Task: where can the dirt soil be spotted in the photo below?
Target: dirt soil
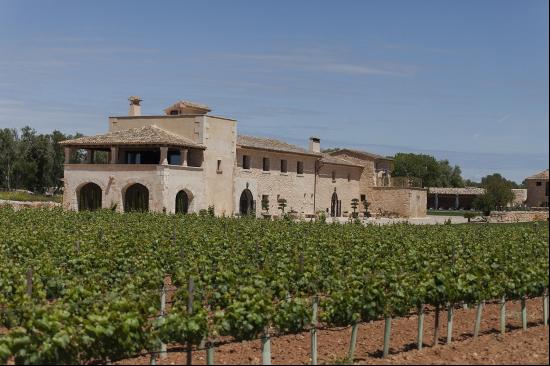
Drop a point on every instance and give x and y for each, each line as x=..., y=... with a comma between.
x=516, y=347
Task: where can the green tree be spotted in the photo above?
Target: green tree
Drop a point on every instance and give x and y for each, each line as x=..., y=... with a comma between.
x=282, y=204
x=433, y=173
x=8, y=144
x=354, y=204
x=265, y=203
x=498, y=193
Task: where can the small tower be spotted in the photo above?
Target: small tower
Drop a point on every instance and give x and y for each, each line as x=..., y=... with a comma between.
x=135, y=108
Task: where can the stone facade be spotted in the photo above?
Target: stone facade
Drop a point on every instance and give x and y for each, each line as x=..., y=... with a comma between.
x=189, y=151
x=396, y=201
x=537, y=190
x=18, y=205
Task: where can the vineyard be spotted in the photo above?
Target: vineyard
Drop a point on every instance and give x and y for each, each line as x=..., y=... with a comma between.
x=102, y=286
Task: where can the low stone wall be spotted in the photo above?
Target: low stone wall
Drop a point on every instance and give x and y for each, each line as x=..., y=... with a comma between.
x=17, y=205
x=517, y=216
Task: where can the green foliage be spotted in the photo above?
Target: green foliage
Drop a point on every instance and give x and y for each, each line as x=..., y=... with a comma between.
x=470, y=215
x=354, y=205
x=24, y=196
x=433, y=173
x=32, y=161
x=265, y=203
x=498, y=193
x=98, y=301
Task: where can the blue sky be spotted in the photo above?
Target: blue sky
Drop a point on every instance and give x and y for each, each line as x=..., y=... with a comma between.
x=462, y=80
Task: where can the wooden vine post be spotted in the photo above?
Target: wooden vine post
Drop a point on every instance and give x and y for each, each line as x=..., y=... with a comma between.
x=190, y=298
x=314, y=331
x=503, y=315
x=420, y=336
x=387, y=336
x=266, y=347
x=523, y=313
x=163, y=353
x=210, y=353
x=545, y=307
x=478, y=318
x=353, y=340
x=450, y=313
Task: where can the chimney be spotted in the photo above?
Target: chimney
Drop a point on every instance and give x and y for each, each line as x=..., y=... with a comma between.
x=315, y=144
x=135, y=108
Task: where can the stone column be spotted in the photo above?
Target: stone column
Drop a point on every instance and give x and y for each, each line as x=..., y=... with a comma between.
x=114, y=155
x=89, y=158
x=164, y=155
x=183, y=154
x=457, y=202
x=68, y=151
x=436, y=201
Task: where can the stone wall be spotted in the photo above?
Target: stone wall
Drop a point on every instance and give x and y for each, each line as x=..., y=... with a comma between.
x=536, y=193
x=401, y=202
x=162, y=181
x=517, y=216
x=17, y=205
x=345, y=189
x=296, y=189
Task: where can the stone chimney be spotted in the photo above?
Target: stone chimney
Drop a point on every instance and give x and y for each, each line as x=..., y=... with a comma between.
x=135, y=108
x=315, y=144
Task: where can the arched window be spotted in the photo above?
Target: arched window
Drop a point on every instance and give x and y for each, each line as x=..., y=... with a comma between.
x=136, y=198
x=246, y=203
x=182, y=202
x=89, y=197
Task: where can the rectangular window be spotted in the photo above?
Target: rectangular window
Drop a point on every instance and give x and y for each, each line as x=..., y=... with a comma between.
x=363, y=197
x=246, y=162
x=333, y=176
x=349, y=177
x=539, y=184
x=219, y=166
x=283, y=166
x=300, y=167
x=266, y=164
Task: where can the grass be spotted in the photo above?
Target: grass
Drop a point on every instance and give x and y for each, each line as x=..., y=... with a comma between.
x=451, y=212
x=24, y=196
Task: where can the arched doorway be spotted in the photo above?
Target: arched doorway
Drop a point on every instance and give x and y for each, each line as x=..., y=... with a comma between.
x=89, y=197
x=246, y=203
x=335, y=206
x=182, y=202
x=136, y=198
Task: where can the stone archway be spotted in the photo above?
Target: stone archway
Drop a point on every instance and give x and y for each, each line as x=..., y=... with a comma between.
x=246, y=203
x=182, y=202
x=136, y=198
x=89, y=197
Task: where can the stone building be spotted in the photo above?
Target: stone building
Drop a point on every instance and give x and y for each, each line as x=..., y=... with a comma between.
x=537, y=189
x=188, y=159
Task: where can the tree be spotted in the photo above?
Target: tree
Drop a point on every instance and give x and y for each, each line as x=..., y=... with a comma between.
x=282, y=205
x=8, y=142
x=354, y=204
x=498, y=193
x=265, y=203
x=433, y=173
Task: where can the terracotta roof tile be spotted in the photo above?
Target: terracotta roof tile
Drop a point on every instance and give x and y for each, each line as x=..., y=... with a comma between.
x=262, y=143
x=540, y=175
x=148, y=135
x=336, y=160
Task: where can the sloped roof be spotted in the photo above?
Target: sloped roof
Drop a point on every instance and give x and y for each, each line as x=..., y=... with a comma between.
x=329, y=159
x=184, y=104
x=262, y=143
x=462, y=191
x=148, y=135
x=540, y=175
x=361, y=153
